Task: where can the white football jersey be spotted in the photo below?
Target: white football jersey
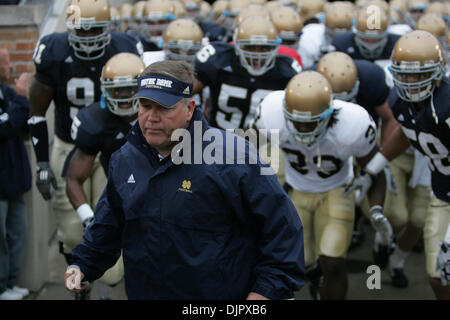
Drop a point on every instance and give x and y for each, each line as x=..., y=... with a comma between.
x=311, y=42
x=399, y=29
x=150, y=57
x=327, y=164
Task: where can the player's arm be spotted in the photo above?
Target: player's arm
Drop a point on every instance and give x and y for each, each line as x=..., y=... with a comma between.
x=79, y=168
x=374, y=163
x=377, y=189
x=388, y=121
x=198, y=86
x=40, y=97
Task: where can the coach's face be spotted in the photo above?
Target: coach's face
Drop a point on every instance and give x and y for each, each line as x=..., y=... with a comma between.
x=158, y=123
x=5, y=65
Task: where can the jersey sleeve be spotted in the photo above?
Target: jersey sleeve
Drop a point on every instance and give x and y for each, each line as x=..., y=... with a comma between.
x=150, y=57
x=124, y=42
x=342, y=42
x=84, y=133
x=310, y=43
x=45, y=59
x=355, y=129
x=207, y=61
x=270, y=114
x=373, y=90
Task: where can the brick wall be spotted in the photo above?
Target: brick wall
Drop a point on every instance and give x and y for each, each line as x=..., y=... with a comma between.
x=19, y=33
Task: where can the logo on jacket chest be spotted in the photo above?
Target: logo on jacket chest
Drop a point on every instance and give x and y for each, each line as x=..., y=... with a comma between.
x=185, y=186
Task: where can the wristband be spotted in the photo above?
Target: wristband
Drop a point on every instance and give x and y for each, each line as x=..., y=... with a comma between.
x=376, y=208
x=84, y=212
x=74, y=266
x=376, y=164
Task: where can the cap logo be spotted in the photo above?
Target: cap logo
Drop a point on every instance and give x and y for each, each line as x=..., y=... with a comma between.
x=167, y=91
x=156, y=83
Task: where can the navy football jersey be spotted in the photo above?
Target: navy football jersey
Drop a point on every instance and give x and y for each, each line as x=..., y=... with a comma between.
x=373, y=90
x=234, y=93
x=213, y=31
x=430, y=138
x=76, y=82
x=346, y=43
x=95, y=129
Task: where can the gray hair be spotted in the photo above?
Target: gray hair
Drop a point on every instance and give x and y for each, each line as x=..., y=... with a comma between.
x=178, y=69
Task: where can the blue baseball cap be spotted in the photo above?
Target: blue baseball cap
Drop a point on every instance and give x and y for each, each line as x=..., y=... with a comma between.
x=166, y=91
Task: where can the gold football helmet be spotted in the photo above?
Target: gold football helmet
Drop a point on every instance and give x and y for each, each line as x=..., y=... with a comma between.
x=307, y=106
x=182, y=39
x=179, y=10
x=310, y=8
x=115, y=18
x=440, y=8
x=397, y=9
x=205, y=9
x=417, y=64
x=256, y=44
x=340, y=70
x=289, y=25
x=258, y=2
x=414, y=10
x=338, y=18
x=136, y=16
x=234, y=7
x=89, y=25
x=156, y=17
x=380, y=3
x=251, y=10
x=447, y=42
x=218, y=10
x=126, y=11
x=434, y=24
x=371, y=34
x=294, y=4
x=119, y=83
x=271, y=6
x=192, y=8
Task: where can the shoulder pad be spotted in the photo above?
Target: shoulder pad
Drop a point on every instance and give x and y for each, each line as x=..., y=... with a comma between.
x=51, y=48
x=270, y=114
x=354, y=126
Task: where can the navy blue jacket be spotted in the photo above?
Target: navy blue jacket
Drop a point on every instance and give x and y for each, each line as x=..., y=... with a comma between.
x=193, y=231
x=15, y=172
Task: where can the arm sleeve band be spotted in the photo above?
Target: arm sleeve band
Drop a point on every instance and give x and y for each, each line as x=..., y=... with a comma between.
x=377, y=164
x=39, y=137
x=84, y=212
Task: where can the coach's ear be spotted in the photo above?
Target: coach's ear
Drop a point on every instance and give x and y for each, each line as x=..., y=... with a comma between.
x=190, y=110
